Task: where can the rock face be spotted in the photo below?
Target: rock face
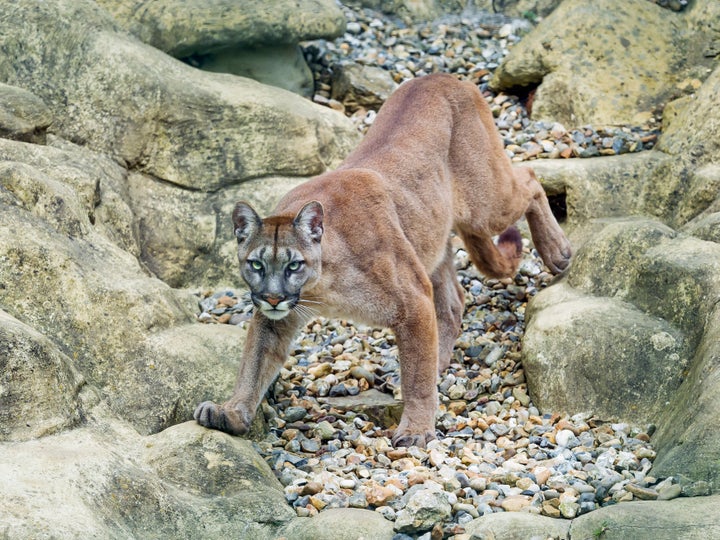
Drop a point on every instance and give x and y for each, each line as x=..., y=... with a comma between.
x=96, y=353
x=645, y=290
x=238, y=129
x=582, y=77
x=256, y=39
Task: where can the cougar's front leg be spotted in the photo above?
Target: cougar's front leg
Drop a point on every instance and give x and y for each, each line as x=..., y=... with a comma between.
x=417, y=338
x=549, y=239
x=266, y=349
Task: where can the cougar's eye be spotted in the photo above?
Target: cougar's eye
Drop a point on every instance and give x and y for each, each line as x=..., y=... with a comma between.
x=256, y=265
x=294, y=266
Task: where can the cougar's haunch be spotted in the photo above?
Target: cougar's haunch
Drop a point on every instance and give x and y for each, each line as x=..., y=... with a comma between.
x=370, y=242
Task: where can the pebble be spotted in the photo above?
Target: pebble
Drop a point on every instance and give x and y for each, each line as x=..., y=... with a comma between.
x=494, y=450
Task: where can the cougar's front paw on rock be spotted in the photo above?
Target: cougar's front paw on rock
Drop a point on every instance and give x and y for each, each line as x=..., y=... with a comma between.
x=556, y=255
x=214, y=416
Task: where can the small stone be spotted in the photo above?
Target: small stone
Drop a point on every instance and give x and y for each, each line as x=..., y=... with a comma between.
x=320, y=370
x=562, y=437
x=550, y=509
x=379, y=495
x=646, y=494
x=357, y=500
x=324, y=430
x=310, y=445
x=423, y=510
x=569, y=509
x=669, y=492
x=293, y=414
x=311, y=488
x=205, y=317
x=515, y=503
x=525, y=483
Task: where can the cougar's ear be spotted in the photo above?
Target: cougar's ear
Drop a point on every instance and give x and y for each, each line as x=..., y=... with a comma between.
x=310, y=220
x=245, y=221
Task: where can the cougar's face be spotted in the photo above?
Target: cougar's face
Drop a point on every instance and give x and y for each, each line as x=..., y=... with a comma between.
x=279, y=256
x=276, y=276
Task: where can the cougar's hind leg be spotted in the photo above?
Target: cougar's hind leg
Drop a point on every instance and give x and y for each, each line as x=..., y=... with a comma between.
x=495, y=261
x=449, y=301
x=549, y=239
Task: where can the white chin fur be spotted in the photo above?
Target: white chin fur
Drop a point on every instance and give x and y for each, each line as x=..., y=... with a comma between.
x=275, y=314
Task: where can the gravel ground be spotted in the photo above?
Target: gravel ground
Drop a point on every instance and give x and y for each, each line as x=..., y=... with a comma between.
x=330, y=412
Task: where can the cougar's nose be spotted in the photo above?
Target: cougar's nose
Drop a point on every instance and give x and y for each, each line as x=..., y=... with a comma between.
x=273, y=299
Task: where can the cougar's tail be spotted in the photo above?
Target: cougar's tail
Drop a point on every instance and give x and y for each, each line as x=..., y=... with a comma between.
x=496, y=261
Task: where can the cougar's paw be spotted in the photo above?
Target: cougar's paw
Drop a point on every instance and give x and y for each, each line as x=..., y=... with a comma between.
x=559, y=259
x=555, y=253
x=408, y=438
x=212, y=415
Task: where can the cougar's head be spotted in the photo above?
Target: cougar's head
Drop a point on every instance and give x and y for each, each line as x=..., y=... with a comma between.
x=278, y=256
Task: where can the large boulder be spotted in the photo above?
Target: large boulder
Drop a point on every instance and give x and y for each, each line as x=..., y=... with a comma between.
x=103, y=480
x=602, y=355
x=255, y=39
x=197, y=245
x=607, y=63
x=65, y=279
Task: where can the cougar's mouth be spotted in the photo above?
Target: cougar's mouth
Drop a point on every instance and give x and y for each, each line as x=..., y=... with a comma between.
x=275, y=313
x=274, y=310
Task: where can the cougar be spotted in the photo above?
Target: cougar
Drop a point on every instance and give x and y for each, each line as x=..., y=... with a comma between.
x=369, y=242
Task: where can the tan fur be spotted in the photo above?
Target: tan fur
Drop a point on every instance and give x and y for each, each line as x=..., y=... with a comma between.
x=431, y=163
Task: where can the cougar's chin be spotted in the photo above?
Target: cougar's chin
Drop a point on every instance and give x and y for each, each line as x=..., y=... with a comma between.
x=274, y=313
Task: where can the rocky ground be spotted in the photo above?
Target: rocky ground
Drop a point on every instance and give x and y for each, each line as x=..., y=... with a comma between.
x=330, y=411
x=470, y=46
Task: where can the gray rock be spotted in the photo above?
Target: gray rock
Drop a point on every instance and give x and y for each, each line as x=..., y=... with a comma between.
x=256, y=40
x=652, y=520
x=23, y=115
x=423, y=510
x=580, y=352
x=340, y=524
x=105, y=481
x=357, y=86
x=183, y=28
x=39, y=388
